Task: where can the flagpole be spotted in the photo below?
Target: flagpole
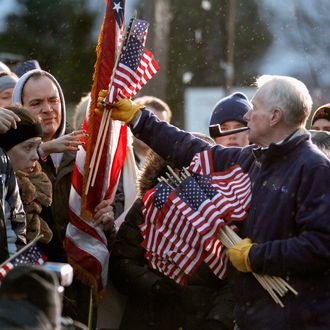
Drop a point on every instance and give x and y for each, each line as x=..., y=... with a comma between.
x=36, y=239
x=93, y=168
x=90, y=311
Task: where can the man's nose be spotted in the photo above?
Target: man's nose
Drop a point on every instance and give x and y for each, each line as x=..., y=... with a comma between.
x=47, y=107
x=246, y=116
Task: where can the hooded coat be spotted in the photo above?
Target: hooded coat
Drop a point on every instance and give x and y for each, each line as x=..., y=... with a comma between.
x=57, y=215
x=154, y=301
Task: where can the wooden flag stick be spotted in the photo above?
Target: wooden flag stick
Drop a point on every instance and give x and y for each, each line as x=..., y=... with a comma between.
x=173, y=173
x=101, y=148
x=24, y=248
x=166, y=181
x=95, y=152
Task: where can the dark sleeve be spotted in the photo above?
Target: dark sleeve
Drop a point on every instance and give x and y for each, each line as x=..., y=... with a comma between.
x=17, y=214
x=307, y=252
x=178, y=147
x=119, y=200
x=128, y=267
x=174, y=145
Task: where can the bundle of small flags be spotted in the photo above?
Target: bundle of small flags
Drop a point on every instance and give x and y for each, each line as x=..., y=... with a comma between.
x=183, y=216
x=190, y=218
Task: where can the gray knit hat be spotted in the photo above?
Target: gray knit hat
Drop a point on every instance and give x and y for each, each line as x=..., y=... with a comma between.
x=7, y=80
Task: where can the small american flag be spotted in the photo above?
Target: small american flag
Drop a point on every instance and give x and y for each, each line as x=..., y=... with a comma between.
x=31, y=256
x=229, y=190
x=136, y=64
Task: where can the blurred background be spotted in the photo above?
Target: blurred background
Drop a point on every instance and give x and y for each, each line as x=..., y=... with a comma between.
x=205, y=48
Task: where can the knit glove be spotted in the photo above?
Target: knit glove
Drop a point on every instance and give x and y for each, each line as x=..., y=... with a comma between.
x=125, y=110
x=239, y=255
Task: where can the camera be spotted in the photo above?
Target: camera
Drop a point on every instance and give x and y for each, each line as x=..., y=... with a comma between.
x=63, y=271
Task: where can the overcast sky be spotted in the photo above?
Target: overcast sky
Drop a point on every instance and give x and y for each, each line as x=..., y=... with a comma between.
x=290, y=52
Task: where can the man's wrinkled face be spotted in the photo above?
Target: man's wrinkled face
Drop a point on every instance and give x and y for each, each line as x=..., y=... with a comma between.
x=41, y=98
x=258, y=119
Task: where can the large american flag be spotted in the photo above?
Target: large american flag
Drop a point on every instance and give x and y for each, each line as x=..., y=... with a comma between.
x=31, y=256
x=85, y=243
x=182, y=224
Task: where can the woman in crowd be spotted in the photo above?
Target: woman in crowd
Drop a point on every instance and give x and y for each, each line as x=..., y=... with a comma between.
x=7, y=83
x=23, y=146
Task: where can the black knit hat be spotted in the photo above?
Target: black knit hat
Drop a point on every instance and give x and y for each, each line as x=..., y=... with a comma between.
x=27, y=128
x=37, y=286
x=232, y=107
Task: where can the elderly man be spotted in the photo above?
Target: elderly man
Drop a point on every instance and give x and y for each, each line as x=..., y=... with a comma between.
x=288, y=226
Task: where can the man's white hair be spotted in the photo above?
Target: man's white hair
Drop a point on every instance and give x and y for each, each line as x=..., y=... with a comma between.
x=290, y=95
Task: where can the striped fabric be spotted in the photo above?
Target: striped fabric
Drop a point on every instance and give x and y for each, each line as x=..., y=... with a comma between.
x=182, y=224
x=85, y=243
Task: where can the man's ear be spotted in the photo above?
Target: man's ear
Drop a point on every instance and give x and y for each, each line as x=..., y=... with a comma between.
x=276, y=116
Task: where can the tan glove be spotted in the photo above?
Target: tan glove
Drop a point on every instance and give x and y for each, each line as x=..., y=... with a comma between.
x=239, y=255
x=125, y=110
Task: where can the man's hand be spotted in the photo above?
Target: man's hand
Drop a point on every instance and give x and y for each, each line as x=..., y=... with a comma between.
x=125, y=110
x=104, y=214
x=67, y=142
x=8, y=119
x=239, y=255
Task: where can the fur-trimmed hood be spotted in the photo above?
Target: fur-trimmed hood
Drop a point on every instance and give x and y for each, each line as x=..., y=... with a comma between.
x=153, y=168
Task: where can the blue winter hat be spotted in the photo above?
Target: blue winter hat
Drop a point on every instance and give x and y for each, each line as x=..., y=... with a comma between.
x=232, y=107
x=27, y=66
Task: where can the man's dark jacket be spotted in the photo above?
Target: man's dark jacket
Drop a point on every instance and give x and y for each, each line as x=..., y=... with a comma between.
x=288, y=220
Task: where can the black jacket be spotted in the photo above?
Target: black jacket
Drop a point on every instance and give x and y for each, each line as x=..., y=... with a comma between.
x=156, y=302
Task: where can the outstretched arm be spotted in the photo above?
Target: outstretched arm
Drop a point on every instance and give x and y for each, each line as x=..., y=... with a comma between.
x=169, y=142
x=67, y=142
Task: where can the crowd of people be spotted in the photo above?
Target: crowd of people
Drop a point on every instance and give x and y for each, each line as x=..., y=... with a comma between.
x=286, y=232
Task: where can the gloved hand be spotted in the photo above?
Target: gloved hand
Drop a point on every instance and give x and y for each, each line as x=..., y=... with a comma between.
x=102, y=94
x=125, y=110
x=239, y=255
x=165, y=287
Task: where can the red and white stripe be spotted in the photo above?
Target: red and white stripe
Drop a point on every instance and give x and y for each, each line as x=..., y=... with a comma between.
x=127, y=82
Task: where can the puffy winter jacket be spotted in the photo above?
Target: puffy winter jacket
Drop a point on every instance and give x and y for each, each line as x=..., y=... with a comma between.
x=288, y=220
